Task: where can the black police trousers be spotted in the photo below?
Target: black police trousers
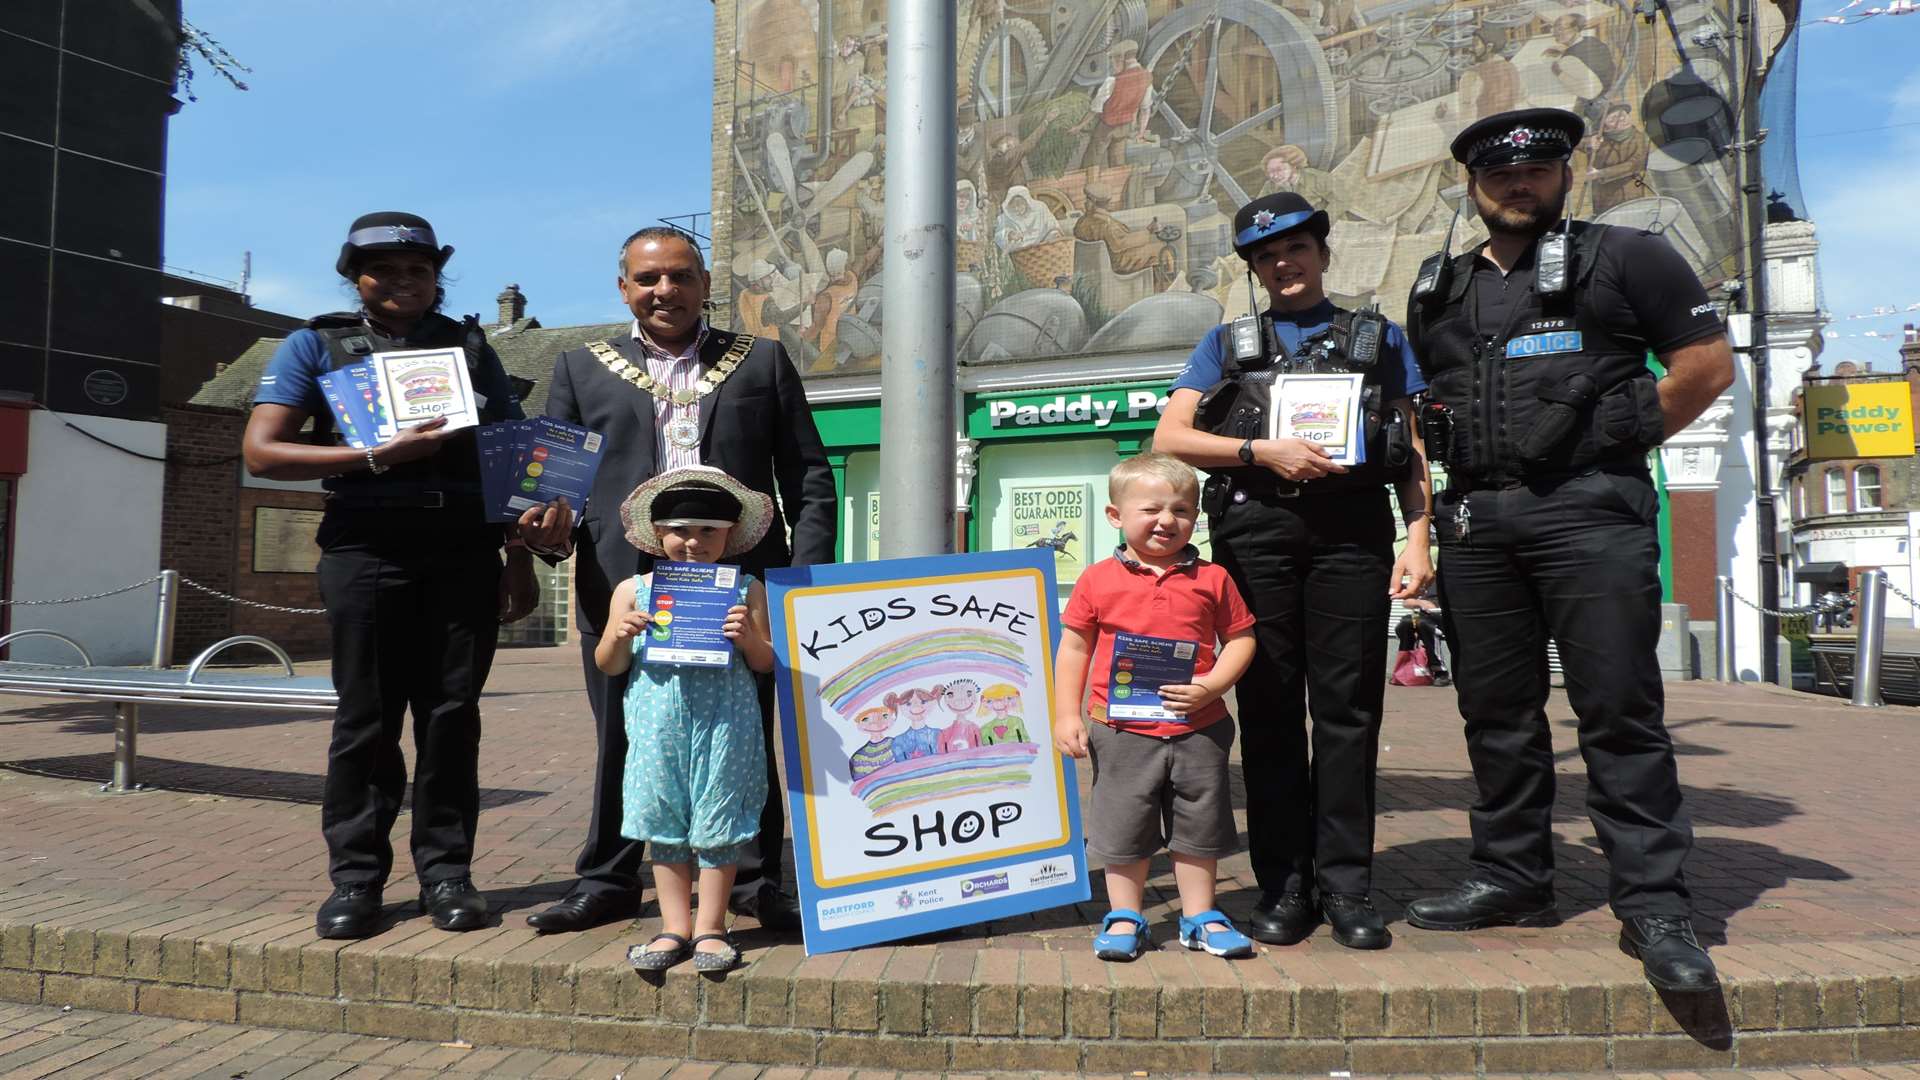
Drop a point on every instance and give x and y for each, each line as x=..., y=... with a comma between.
x=1314, y=570
x=1576, y=559
x=413, y=604
x=609, y=863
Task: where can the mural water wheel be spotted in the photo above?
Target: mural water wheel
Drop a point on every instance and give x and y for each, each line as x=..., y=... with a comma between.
x=1230, y=77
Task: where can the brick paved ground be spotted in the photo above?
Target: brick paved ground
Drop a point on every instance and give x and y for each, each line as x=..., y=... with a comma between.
x=1804, y=873
x=71, y=1044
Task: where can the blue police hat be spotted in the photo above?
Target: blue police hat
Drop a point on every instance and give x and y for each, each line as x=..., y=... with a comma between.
x=1520, y=135
x=1271, y=215
x=390, y=230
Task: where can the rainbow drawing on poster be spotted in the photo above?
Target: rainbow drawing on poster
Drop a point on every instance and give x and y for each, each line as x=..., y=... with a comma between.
x=1316, y=416
x=915, y=680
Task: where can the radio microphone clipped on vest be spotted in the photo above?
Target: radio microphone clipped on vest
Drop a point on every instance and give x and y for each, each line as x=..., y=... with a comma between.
x=1246, y=333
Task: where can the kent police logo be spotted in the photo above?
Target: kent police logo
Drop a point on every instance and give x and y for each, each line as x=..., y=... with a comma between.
x=1263, y=219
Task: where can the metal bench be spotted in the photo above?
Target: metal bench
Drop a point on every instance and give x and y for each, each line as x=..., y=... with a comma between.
x=127, y=688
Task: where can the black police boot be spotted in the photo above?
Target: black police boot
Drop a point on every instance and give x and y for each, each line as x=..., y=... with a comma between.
x=1283, y=918
x=772, y=906
x=584, y=911
x=454, y=904
x=1669, y=953
x=353, y=911
x=1355, y=924
x=1475, y=905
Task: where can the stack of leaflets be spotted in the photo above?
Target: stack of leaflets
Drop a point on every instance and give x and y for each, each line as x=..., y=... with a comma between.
x=525, y=463
x=374, y=400
x=1323, y=409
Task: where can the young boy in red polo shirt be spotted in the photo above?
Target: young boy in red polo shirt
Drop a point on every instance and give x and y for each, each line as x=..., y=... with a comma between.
x=1155, y=782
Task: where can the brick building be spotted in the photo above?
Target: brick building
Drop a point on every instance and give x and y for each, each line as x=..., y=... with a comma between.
x=253, y=538
x=1855, y=514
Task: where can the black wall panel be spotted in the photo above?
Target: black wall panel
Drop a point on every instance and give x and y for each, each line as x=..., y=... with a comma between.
x=105, y=208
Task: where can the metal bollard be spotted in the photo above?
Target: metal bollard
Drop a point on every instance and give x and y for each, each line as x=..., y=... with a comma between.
x=1725, y=668
x=1871, y=628
x=163, y=619
x=126, y=714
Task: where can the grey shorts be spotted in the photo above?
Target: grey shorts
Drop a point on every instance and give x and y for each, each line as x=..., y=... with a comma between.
x=1150, y=792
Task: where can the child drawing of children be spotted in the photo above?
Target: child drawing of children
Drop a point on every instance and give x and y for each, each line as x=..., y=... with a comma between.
x=918, y=740
x=878, y=752
x=999, y=701
x=960, y=696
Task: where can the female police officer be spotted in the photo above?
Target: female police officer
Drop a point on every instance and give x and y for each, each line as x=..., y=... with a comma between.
x=411, y=576
x=1310, y=543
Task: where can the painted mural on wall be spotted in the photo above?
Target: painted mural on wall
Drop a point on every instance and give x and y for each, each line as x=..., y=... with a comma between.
x=1104, y=146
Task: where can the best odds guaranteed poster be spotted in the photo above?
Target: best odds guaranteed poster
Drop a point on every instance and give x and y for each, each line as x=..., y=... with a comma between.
x=916, y=702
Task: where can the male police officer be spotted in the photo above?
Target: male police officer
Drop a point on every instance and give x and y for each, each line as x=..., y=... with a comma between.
x=1542, y=409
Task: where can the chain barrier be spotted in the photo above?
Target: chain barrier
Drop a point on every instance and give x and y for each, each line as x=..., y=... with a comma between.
x=184, y=580
x=244, y=602
x=10, y=602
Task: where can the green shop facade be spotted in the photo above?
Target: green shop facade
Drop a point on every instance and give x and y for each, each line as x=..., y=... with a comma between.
x=1031, y=465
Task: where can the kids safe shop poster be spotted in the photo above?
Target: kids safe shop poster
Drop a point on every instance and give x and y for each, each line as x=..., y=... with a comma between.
x=915, y=699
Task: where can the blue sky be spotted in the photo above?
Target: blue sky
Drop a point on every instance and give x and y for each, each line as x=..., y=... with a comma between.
x=537, y=136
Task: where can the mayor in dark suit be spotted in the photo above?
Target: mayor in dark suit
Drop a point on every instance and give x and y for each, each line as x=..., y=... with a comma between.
x=669, y=392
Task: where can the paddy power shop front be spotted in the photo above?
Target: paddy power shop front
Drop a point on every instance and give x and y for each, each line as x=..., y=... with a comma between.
x=1039, y=462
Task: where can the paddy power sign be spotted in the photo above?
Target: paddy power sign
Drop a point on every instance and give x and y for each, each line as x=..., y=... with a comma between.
x=1859, y=420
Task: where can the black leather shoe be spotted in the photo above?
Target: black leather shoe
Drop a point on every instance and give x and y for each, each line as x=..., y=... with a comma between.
x=774, y=909
x=1671, y=956
x=454, y=904
x=1355, y=924
x=583, y=911
x=353, y=911
x=1476, y=905
x=1283, y=918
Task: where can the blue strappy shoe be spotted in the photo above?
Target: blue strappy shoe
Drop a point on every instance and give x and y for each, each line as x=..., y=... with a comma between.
x=1229, y=942
x=1121, y=946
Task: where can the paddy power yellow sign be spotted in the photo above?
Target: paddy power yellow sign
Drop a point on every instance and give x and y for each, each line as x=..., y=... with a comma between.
x=1859, y=420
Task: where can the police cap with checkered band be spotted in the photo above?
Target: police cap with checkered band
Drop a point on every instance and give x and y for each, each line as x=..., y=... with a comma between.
x=1510, y=138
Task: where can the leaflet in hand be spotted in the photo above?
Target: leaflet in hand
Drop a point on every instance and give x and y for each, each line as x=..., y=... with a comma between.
x=525, y=463
x=1141, y=666
x=685, y=611
x=1322, y=409
x=372, y=400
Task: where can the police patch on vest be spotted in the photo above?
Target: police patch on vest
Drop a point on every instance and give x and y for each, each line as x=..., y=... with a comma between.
x=1532, y=345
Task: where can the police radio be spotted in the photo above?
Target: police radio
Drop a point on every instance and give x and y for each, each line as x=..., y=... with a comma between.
x=1552, y=262
x=1248, y=333
x=1436, y=269
x=1364, y=336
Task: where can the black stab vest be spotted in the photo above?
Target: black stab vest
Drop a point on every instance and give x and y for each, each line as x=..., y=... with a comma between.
x=1236, y=407
x=455, y=468
x=1594, y=389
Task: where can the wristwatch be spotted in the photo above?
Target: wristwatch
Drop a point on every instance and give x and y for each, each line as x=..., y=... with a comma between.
x=1246, y=452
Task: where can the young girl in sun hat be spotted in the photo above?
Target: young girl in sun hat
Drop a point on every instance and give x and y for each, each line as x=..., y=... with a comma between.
x=696, y=762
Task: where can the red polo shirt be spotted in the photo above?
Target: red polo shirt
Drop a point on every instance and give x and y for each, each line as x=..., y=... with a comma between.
x=1194, y=601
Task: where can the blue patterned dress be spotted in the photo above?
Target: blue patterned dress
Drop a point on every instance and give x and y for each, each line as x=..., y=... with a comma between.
x=696, y=775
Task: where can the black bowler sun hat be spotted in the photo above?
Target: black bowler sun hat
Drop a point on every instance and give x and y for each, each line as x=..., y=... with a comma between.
x=1271, y=215
x=1510, y=138
x=390, y=230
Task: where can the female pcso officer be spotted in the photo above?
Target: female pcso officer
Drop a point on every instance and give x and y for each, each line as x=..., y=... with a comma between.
x=1310, y=543
x=410, y=572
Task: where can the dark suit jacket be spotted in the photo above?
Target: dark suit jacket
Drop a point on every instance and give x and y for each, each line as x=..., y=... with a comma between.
x=756, y=426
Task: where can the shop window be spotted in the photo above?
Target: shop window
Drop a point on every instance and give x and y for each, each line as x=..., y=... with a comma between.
x=1836, y=491
x=1866, y=487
